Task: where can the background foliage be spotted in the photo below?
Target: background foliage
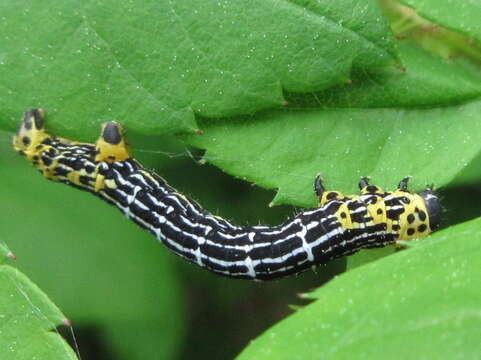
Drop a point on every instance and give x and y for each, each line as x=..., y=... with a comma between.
x=281, y=90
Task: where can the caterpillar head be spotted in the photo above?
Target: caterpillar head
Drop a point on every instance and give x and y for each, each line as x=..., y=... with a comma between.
x=433, y=207
x=30, y=132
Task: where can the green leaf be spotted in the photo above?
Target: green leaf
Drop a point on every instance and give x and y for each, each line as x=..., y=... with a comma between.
x=28, y=318
x=152, y=65
x=460, y=16
x=99, y=267
x=425, y=81
x=420, y=303
x=366, y=256
x=424, y=122
x=5, y=253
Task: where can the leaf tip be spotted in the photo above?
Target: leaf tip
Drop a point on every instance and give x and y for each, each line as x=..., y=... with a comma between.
x=303, y=295
x=294, y=307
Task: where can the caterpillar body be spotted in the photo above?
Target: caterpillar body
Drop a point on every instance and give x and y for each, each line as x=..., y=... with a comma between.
x=340, y=226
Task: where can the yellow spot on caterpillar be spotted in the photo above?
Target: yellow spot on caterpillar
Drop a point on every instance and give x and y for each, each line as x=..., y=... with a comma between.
x=110, y=184
x=99, y=182
x=344, y=217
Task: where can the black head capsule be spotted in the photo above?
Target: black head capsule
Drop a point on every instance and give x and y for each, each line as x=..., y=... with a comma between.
x=433, y=207
x=112, y=133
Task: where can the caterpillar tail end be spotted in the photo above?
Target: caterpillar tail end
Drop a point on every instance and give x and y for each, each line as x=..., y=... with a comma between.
x=30, y=132
x=111, y=145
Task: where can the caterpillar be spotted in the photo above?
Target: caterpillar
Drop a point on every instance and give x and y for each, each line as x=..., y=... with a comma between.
x=340, y=226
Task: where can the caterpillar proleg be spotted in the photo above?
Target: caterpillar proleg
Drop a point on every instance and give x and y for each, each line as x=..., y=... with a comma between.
x=340, y=226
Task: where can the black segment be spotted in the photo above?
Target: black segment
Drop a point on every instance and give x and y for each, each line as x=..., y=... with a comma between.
x=112, y=134
x=46, y=160
x=85, y=180
x=433, y=207
x=61, y=171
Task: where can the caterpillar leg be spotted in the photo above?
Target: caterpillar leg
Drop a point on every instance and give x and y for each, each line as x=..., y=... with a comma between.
x=318, y=186
x=111, y=145
x=366, y=188
x=323, y=195
x=364, y=182
x=403, y=185
x=404, y=244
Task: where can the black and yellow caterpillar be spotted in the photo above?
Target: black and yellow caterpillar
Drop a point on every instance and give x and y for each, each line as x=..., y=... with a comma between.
x=340, y=226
